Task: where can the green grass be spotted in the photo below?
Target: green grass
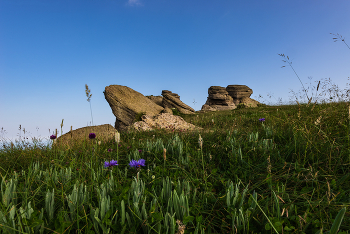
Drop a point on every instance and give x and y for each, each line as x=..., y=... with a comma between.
x=287, y=174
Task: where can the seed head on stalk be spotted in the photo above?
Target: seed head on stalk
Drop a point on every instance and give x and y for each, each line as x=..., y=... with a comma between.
x=88, y=95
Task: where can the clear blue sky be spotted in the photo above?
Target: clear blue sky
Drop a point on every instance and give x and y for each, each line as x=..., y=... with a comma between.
x=49, y=50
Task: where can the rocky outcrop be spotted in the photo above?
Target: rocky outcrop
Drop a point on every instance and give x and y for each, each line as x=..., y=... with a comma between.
x=172, y=100
x=126, y=103
x=103, y=132
x=238, y=92
x=162, y=121
x=228, y=98
x=156, y=99
x=218, y=99
x=249, y=102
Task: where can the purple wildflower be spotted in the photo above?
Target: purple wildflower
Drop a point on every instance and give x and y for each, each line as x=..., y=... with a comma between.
x=262, y=120
x=92, y=135
x=52, y=137
x=111, y=163
x=134, y=163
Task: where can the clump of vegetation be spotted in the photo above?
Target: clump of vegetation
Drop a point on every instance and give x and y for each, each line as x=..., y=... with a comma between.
x=176, y=111
x=241, y=106
x=138, y=116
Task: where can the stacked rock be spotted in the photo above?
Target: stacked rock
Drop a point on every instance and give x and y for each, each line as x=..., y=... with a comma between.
x=238, y=92
x=218, y=99
x=228, y=98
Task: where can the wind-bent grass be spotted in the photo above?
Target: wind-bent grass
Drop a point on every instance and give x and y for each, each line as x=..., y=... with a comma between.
x=272, y=169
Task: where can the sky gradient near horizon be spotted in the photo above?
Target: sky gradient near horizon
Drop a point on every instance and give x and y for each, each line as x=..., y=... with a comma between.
x=49, y=50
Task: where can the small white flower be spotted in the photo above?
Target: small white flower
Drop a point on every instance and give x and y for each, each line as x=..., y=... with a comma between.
x=317, y=122
x=117, y=137
x=200, y=141
x=153, y=177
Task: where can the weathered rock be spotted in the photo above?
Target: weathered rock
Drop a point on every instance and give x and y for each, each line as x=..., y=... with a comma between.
x=167, y=110
x=218, y=99
x=156, y=99
x=103, y=132
x=162, y=121
x=126, y=103
x=206, y=107
x=237, y=92
x=172, y=100
x=249, y=102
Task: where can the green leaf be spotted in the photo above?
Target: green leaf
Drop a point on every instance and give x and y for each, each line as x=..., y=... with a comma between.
x=199, y=219
x=338, y=220
x=289, y=228
x=188, y=219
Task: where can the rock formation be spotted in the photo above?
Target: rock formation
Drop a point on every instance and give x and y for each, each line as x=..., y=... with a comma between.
x=162, y=121
x=126, y=103
x=156, y=99
x=103, y=133
x=237, y=92
x=172, y=100
x=241, y=95
x=228, y=98
x=249, y=102
x=218, y=99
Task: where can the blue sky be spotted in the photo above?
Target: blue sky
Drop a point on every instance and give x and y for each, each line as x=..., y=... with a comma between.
x=49, y=50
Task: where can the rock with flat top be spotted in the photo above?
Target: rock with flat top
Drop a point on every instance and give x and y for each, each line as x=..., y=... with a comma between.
x=237, y=92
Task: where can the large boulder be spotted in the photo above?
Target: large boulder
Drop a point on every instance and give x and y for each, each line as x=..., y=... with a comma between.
x=218, y=99
x=237, y=92
x=163, y=121
x=103, y=132
x=127, y=103
x=172, y=100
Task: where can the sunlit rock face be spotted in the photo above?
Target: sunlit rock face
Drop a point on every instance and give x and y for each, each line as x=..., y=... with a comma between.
x=126, y=103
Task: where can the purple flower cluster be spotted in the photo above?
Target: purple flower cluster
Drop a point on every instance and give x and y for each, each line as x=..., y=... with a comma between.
x=133, y=163
x=92, y=135
x=52, y=137
x=262, y=120
x=111, y=163
x=138, y=163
